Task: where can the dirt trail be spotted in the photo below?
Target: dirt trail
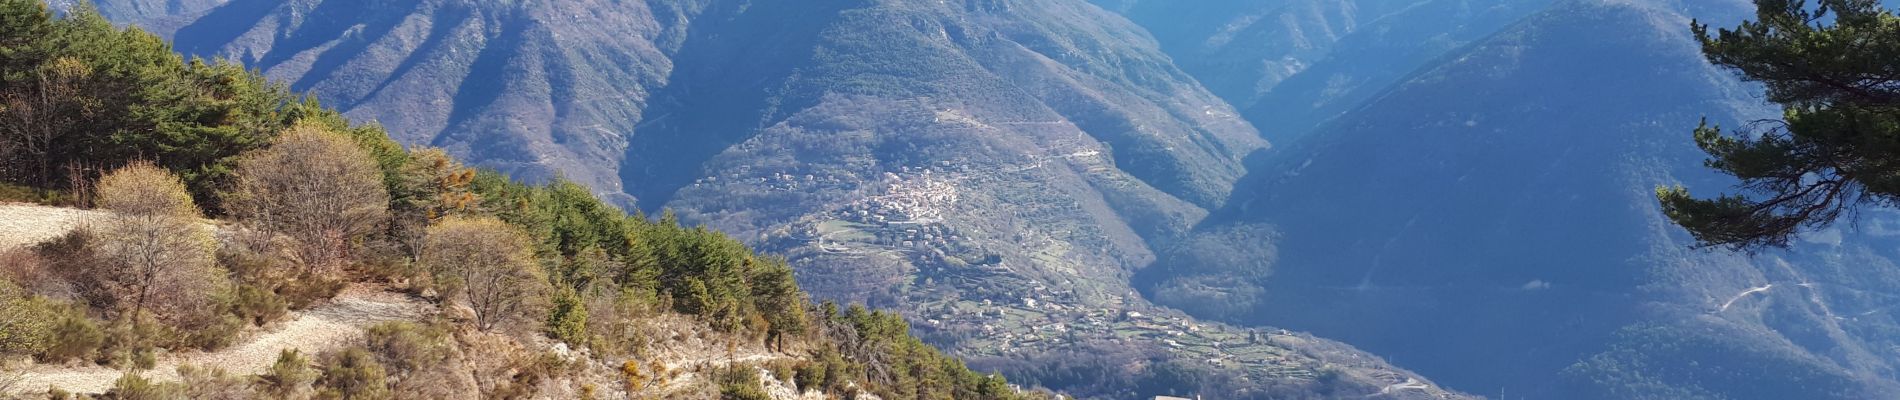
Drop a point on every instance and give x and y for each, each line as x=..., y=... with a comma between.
x=320, y=328
x=28, y=224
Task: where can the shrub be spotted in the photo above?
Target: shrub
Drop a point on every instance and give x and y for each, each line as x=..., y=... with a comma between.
x=26, y=323
x=259, y=268
x=157, y=256
x=36, y=275
x=131, y=345
x=422, y=360
x=213, y=384
x=524, y=375
x=309, y=289
x=314, y=185
x=567, y=319
x=405, y=347
x=214, y=332
x=289, y=378
x=134, y=387
x=487, y=263
x=78, y=338
x=810, y=376
x=741, y=383
x=258, y=305
x=352, y=373
x=23, y=194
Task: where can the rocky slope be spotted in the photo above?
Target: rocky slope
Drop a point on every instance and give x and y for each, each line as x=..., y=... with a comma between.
x=1490, y=222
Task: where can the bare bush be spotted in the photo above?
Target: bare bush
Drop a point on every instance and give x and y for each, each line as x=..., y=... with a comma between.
x=487, y=263
x=156, y=253
x=25, y=267
x=313, y=185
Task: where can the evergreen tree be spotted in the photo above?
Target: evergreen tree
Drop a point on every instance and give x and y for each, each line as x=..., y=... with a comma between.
x=1835, y=69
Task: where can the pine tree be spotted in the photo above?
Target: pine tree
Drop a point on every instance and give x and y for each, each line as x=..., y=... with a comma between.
x=1835, y=69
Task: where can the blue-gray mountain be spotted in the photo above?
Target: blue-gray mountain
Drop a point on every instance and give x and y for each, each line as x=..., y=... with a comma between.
x=158, y=16
x=1290, y=65
x=1490, y=222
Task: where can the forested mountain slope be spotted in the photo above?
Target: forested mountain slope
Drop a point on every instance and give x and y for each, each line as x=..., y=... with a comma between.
x=1491, y=222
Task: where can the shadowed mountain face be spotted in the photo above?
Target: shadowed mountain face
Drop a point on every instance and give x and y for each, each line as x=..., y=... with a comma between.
x=1490, y=222
x=1290, y=65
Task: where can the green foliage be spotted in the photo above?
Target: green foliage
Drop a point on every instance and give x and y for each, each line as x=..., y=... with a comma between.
x=94, y=95
x=352, y=373
x=77, y=337
x=567, y=318
x=905, y=367
x=134, y=387
x=25, y=322
x=812, y=375
x=406, y=348
x=741, y=383
x=258, y=305
x=1838, y=145
x=289, y=378
x=132, y=345
x=26, y=194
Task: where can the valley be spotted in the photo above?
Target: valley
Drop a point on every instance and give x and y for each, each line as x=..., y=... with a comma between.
x=1127, y=198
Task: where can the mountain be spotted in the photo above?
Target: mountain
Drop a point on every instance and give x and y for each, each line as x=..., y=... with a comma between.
x=157, y=16
x=1490, y=222
x=485, y=80
x=994, y=169
x=753, y=117
x=1290, y=65
x=284, y=251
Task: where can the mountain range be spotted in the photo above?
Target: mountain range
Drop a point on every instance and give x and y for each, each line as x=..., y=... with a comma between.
x=1502, y=200
x=1462, y=188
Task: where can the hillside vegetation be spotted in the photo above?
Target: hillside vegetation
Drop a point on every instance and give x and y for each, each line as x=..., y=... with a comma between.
x=544, y=290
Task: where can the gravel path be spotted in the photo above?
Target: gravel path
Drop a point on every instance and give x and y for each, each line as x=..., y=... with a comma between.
x=324, y=327
x=28, y=224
